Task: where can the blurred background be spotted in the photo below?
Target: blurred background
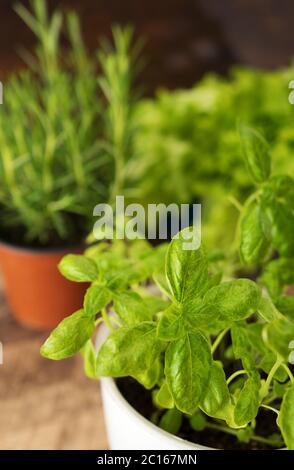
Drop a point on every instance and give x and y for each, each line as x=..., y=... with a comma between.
x=48, y=405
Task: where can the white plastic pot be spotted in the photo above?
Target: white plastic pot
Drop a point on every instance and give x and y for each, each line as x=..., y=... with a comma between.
x=126, y=428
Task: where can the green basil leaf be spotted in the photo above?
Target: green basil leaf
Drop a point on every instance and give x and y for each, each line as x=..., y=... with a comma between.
x=187, y=369
x=78, y=268
x=277, y=335
x=171, y=421
x=282, y=221
x=248, y=401
x=256, y=153
x=69, y=336
x=267, y=310
x=200, y=315
x=171, y=325
x=130, y=351
x=267, y=363
x=285, y=305
x=286, y=418
x=216, y=399
x=255, y=236
x=242, y=348
x=161, y=281
x=283, y=188
x=186, y=270
x=131, y=309
x=163, y=397
x=278, y=274
x=198, y=421
x=277, y=202
x=280, y=388
x=96, y=298
x=89, y=355
x=234, y=300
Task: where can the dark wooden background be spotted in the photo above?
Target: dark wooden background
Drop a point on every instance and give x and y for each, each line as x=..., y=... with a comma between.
x=184, y=38
x=51, y=405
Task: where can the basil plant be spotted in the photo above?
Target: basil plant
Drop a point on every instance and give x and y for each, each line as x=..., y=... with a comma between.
x=212, y=348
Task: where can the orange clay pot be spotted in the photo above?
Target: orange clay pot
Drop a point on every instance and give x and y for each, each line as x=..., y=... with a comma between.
x=37, y=294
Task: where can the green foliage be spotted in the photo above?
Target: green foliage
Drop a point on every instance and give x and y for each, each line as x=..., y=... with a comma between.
x=214, y=349
x=267, y=217
x=286, y=417
x=171, y=421
x=256, y=154
x=69, y=336
x=59, y=136
x=78, y=268
x=190, y=136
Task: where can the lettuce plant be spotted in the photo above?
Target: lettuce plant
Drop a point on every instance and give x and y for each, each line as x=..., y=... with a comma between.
x=211, y=349
x=190, y=136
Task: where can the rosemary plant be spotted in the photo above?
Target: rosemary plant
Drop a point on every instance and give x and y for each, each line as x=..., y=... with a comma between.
x=59, y=157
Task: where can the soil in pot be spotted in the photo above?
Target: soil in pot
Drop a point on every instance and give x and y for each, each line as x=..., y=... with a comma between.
x=141, y=401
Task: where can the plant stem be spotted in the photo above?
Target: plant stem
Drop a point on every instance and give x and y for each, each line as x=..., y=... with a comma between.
x=235, y=203
x=98, y=321
x=270, y=408
x=291, y=377
x=218, y=340
x=233, y=432
x=265, y=388
x=107, y=320
x=235, y=374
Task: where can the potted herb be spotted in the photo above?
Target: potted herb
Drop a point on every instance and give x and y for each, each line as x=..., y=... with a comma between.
x=206, y=359
x=58, y=126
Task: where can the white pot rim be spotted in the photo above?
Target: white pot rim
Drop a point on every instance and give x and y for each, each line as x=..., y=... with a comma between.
x=111, y=388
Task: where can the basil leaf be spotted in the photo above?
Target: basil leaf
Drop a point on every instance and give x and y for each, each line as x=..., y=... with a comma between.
x=267, y=310
x=199, y=314
x=163, y=397
x=234, y=300
x=161, y=281
x=186, y=270
x=171, y=325
x=78, y=268
x=89, y=355
x=255, y=235
x=285, y=305
x=286, y=418
x=187, y=369
x=217, y=396
x=256, y=153
x=242, y=348
x=198, y=421
x=278, y=274
x=248, y=400
x=281, y=218
x=96, y=298
x=277, y=336
x=131, y=351
x=69, y=336
x=277, y=201
x=171, y=421
x=131, y=309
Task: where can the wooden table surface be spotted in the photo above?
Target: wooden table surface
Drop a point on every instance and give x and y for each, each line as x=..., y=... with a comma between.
x=44, y=404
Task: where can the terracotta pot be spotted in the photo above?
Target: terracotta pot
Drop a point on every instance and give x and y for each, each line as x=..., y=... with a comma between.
x=38, y=295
